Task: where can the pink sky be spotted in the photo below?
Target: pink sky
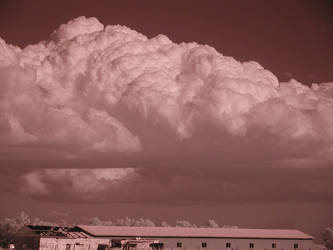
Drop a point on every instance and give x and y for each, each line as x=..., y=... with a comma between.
x=128, y=111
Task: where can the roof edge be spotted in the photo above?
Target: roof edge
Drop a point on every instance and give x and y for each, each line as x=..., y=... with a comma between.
x=307, y=236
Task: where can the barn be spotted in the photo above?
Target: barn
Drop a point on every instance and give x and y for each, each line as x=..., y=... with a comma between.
x=83, y=237
x=37, y=237
x=206, y=238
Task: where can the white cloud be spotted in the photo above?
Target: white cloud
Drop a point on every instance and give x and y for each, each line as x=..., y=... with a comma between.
x=113, y=173
x=110, y=90
x=33, y=184
x=76, y=27
x=85, y=184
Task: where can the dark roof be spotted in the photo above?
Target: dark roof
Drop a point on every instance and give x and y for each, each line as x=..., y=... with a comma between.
x=99, y=231
x=51, y=231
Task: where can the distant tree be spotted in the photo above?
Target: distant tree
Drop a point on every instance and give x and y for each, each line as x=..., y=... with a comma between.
x=108, y=223
x=184, y=223
x=23, y=219
x=229, y=226
x=95, y=221
x=212, y=223
x=144, y=223
x=132, y=222
x=165, y=224
x=127, y=221
x=328, y=237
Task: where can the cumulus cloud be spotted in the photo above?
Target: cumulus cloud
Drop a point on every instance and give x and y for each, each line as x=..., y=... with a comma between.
x=96, y=96
x=75, y=184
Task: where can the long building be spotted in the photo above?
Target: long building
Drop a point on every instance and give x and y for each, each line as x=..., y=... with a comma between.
x=84, y=237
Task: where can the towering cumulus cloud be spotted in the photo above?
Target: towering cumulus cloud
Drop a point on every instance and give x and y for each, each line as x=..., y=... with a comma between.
x=111, y=97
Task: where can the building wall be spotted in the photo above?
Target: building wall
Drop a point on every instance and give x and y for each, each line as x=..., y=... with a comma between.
x=72, y=244
x=187, y=243
x=236, y=244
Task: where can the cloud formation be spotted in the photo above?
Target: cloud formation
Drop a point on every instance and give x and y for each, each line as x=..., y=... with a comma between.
x=96, y=96
x=175, y=186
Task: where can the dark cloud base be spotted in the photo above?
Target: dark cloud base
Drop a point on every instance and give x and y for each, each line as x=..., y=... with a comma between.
x=174, y=186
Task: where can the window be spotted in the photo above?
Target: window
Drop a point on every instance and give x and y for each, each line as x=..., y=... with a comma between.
x=295, y=245
x=156, y=246
x=68, y=246
x=179, y=244
x=102, y=247
x=116, y=243
x=204, y=244
x=273, y=245
x=251, y=245
x=228, y=245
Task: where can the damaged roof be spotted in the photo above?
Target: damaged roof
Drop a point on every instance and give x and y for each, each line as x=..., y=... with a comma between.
x=51, y=231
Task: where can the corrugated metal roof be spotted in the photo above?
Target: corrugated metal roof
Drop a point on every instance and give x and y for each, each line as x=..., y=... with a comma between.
x=50, y=231
x=193, y=232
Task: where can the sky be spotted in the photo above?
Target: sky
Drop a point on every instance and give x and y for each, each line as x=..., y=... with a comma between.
x=168, y=110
